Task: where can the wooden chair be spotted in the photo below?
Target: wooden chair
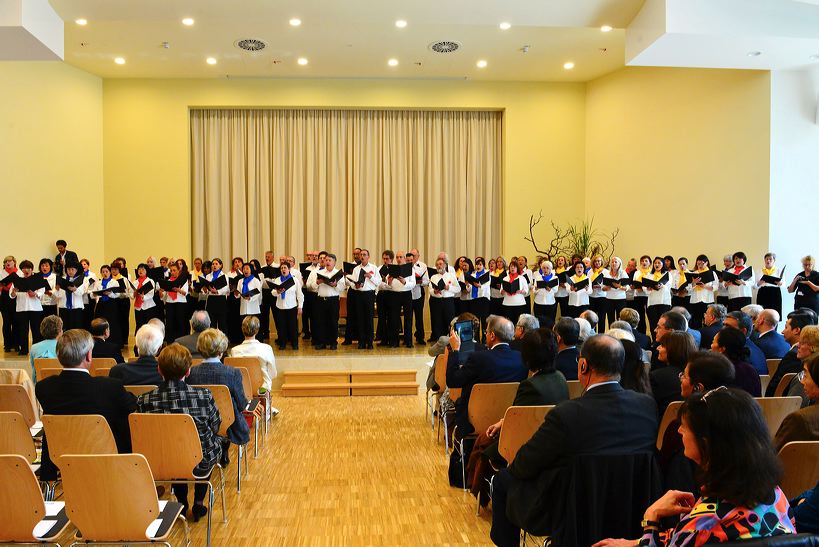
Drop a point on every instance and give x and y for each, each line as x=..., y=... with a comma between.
x=764, y=379
x=221, y=396
x=48, y=372
x=439, y=376
x=575, y=389
x=13, y=398
x=784, y=383
x=773, y=364
x=776, y=409
x=112, y=499
x=170, y=443
x=101, y=366
x=196, y=361
x=254, y=368
x=519, y=424
x=100, y=371
x=487, y=405
x=433, y=397
x=15, y=437
x=139, y=390
x=45, y=362
x=669, y=416
x=256, y=414
x=27, y=518
x=800, y=460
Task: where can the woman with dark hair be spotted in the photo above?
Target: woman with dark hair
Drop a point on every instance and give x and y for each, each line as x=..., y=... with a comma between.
x=107, y=306
x=464, y=302
x=49, y=300
x=579, y=288
x=740, y=290
x=216, y=303
x=640, y=301
x=674, y=351
x=702, y=293
x=514, y=304
x=562, y=294
x=480, y=297
x=142, y=291
x=803, y=425
x=669, y=262
x=635, y=372
x=659, y=295
x=725, y=434
x=123, y=303
x=769, y=293
x=498, y=272
x=731, y=343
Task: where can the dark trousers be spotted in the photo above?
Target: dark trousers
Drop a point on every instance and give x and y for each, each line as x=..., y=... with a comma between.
x=109, y=311
x=234, y=320
x=640, y=303
x=418, y=315
x=683, y=301
x=288, y=327
x=613, y=310
x=545, y=310
x=723, y=300
x=326, y=321
x=599, y=306
x=141, y=317
x=7, y=309
x=72, y=319
x=441, y=311
x=382, y=309
x=495, y=306
x=180, y=490
x=351, y=327
x=88, y=315
x=575, y=311
x=216, y=307
x=512, y=313
x=307, y=319
x=124, y=310
x=268, y=304
x=736, y=304
x=654, y=313
x=697, y=314
x=480, y=309
x=364, y=313
x=770, y=298
x=50, y=310
x=28, y=320
x=563, y=304
x=404, y=304
x=503, y=533
x=392, y=329
x=176, y=321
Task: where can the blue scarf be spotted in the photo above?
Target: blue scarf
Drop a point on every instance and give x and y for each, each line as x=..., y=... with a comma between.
x=474, y=288
x=551, y=275
x=105, y=286
x=245, y=283
x=282, y=279
x=215, y=273
x=69, y=296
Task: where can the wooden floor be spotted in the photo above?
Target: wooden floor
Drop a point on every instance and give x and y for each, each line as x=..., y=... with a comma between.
x=346, y=471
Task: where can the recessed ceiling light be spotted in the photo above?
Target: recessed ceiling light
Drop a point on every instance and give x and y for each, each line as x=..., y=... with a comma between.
x=81, y=22
x=295, y=22
x=605, y=28
x=302, y=61
x=211, y=60
x=505, y=26
x=401, y=23
x=120, y=60
x=187, y=21
x=754, y=53
x=393, y=62
x=481, y=63
x=568, y=66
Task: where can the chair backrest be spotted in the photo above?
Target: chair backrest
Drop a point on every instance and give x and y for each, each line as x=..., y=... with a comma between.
x=784, y=383
x=254, y=368
x=101, y=371
x=764, y=379
x=776, y=409
x=44, y=373
x=519, y=424
x=101, y=366
x=669, y=416
x=800, y=460
x=440, y=370
x=488, y=403
x=139, y=390
x=77, y=434
x=110, y=497
x=45, y=362
x=21, y=502
x=170, y=443
x=196, y=361
x=13, y=398
x=773, y=364
x=15, y=436
x=575, y=389
x=221, y=396
x=246, y=383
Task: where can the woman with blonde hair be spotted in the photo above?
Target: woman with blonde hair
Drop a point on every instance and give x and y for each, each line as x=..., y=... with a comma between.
x=806, y=286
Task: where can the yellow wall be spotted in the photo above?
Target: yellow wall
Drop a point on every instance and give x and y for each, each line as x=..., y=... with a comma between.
x=146, y=145
x=679, y=160
x=50, y=160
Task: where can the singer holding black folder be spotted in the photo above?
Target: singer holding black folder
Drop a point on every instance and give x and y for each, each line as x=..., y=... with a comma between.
x=105, y=290
x=615, y=283
x=497, y=273
x=401, y=280
x=142, y=291
x=174, y=292
x=28, y=290
x=289, y=304
x=806, y=286
x=7, y=304
x=444, y=287
x=739, y=281
x=597, y=298
x=366, y=279
x=579, y=290
x=769, y=292
x=657, y=285
x=514, y=288
x=546, y=283
x=87, y=300
x=217, y=289
x=704, y=286
x=479, y=287
x=69, y=293
x=248, y=290
x=49, y=300
x=329, y=284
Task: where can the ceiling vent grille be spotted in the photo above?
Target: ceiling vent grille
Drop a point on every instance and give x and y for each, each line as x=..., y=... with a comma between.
x=250, y=44
x=445, y=46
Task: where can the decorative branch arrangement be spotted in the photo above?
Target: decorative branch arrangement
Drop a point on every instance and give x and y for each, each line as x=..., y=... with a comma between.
x=581, y=239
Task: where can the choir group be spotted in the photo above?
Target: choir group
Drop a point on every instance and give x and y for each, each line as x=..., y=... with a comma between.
x=171, y=291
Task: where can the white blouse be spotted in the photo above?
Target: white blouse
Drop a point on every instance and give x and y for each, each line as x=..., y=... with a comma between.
x=612, y=293
x=77, y=299
x=291, y=298
x=49, y=299
x=741, y=291
x=580, y=297
x=701, y=293
x=147, y=298
x=250, y=305
x=544, y=297
x=452, y=289
x=519, y=298
x=26, y=302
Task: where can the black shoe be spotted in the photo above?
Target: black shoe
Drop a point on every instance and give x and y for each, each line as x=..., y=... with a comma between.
x=199, y=511
x=224, y=460
x=362, y=346
x=409, y=346
x=318, y=346
x=306, y=336
x=333, y=347
x=347, y=343
x=21, y=352
x=369, y=346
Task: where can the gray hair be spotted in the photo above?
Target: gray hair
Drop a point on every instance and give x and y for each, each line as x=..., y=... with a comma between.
x=752, y=310
x=149, y=339
x=585, y=329
x=156, y=322
x=528, y=322
x=682, y=311
x=591, y=317
x=73, y=346
x=50, y=327
x=503, y=328
x=212, y=343
x=620, y=334
x=200, y=320
x=631, y=316
x=624, y=325
x=718, y=311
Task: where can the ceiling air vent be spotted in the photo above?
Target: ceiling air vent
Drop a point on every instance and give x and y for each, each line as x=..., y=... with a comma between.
x=250, y=44
x=445, y=46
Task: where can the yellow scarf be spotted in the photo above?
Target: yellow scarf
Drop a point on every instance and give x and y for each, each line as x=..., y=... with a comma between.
x=578, y=279
x=658, y=275
x=682, y=278
x=768, y=271
x=497, y=272
x=560, y=270
x=116, y=277
x=643, y=272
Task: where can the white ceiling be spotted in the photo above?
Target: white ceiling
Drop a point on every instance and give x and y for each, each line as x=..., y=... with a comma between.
x=348, y=39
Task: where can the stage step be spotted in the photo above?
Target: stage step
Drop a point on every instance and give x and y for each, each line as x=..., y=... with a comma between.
x=346, y=383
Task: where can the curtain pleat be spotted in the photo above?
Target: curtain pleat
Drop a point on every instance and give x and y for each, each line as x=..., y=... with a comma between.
x=291, y=180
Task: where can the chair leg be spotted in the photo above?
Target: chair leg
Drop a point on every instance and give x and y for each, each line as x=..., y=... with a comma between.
x=210, y=509
x=256, y=438
x=239, y=469
x=446, y=435
x=478, y=504
x=463, y=464
x=222, y=493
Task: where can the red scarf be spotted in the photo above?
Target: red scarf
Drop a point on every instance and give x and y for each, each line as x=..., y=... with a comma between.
x=738, y=269
x=140, y=298
x=172, y=294
x=7, y=288
x=512, y=277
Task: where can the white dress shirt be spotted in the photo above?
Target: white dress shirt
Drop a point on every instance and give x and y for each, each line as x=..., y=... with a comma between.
x=250, y=305
x=519, y=298
x=324, y=290
x=26, y=302
x=452, y=287
x=421, y=279
x=62, y=296
x=49, y=299
x=223, y=291
x=372, y=282
x=291, y=298
x=612, y=293
x=579, y=297
x=544, y=297
x=741, y=291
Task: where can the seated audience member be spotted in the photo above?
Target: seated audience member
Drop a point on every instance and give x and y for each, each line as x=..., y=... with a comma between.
x=806, y=511
x=75, y=391
x=712, y=323
x=213, y=344
x=103, y=349
x=200, y=321
x=251, y=347
x=606, y=420
x=585, y=330
x=753, y=311
x=725, y=433
x=803, y=425
x=568, y=335
x=51, y=328
x=772, y=344
x=623, y=326
x=143, y=371
x=441, y=345
x=731, y=343
x=635, y=367
x=526, y=324
x=687, y=315
x=592, y=318
x=632, y=317
x=175, y=396
x=669, y=321
x=743, y=322
x=157, y=322
x=674, y=351
x=498, y=364
x=791, y=363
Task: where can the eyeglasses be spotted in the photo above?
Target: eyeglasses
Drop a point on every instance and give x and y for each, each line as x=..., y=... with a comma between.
x=682, y=375
x=715, y=390
x=801, y=375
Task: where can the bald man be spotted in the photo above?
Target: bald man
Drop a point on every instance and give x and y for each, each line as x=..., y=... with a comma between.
x=772, y=344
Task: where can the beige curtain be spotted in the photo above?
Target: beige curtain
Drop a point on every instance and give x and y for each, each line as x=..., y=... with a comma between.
x=299, y=179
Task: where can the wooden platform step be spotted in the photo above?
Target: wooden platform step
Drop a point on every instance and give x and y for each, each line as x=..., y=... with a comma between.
x=345, y=383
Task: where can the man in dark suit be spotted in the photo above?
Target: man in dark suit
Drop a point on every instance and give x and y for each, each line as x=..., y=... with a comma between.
x=498, y=364
x=742, y=321
x=103, y=349
x=145, y=370
x=772, y=344
x=200, y=322
x=712, y=324
x=568, y=334
x=790, y=362
x=606, y=420
x=64, y=256
x=75, y=391
x=526, y=324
